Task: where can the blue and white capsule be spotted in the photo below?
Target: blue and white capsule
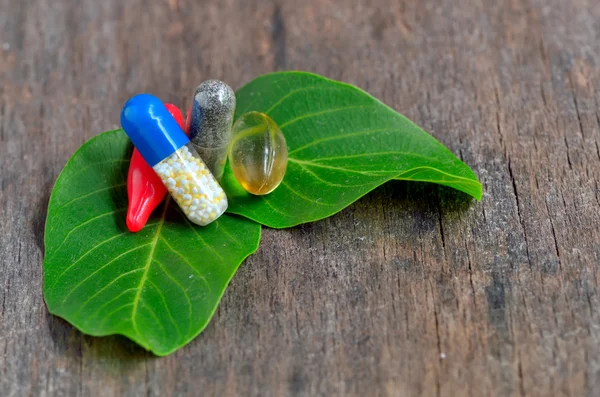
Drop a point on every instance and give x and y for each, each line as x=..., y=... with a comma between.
x=166, y=148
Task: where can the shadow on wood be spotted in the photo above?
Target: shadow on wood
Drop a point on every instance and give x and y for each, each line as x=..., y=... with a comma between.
x=69, y=342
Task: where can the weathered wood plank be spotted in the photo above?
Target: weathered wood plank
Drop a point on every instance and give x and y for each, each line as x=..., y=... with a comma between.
x=411, y=291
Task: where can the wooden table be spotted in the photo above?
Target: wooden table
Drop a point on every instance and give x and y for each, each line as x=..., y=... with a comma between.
x=406, y=292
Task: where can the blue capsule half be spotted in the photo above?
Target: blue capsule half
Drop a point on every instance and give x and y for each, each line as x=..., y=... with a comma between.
x=151, y=128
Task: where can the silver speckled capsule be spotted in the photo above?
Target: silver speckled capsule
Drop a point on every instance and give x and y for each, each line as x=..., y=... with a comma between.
x=209, y=123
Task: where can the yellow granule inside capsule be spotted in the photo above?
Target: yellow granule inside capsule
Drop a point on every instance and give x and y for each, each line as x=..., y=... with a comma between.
x=192, y=186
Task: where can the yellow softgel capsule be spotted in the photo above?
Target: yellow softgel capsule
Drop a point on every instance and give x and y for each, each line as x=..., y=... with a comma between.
x=258, y=154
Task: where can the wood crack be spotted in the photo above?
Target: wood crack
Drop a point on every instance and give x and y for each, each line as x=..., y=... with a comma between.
x=278, y=37
x=439, y=348
x=576, y=106
x=519, y=215
x=553, y=235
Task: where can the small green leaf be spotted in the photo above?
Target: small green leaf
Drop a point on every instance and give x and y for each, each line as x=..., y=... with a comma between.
x=158, y=287
x=342, y=144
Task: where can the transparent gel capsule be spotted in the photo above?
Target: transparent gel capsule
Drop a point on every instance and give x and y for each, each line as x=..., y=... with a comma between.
x=258, y=154
x=209, y=123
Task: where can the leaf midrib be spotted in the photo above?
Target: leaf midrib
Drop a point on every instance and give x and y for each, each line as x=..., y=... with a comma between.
x=137, y=298
x=465, y=180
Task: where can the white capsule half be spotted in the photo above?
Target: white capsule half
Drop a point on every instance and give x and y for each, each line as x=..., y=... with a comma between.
x=192, y=186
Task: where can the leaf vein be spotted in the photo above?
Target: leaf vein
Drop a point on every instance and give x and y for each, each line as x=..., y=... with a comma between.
x=230, y=237
x=153, y=314
x=82, y=170
x=89, y=318
x=187, y=262
x=162, y=296
x=254, y=98
x=136, y=300
x=368, y=173
x=108, y=285
x=305, y=197
x=342, y=136
x=51, y=288
x=91, y=194
x=185, y=293
x=100, y=269
x=375, y=154
x=109, y=315
x=306, y=169
x=316, y=114
x=296, y=91
x=85, y=223
x=203, y=241
x=266, y=201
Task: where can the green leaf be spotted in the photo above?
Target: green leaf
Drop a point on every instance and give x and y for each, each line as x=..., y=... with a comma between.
x=342, y=144
x=158, y=287
x=161, y=286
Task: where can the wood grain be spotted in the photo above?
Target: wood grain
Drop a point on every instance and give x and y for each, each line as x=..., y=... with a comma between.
x=412, y=290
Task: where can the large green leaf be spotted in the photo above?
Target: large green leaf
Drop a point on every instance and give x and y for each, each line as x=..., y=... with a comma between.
x=342, y=144
x=159, y=287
